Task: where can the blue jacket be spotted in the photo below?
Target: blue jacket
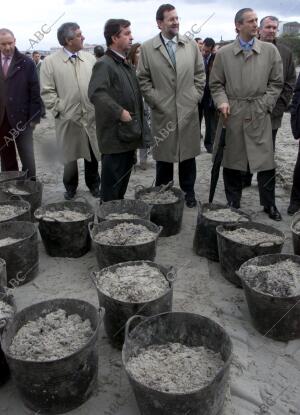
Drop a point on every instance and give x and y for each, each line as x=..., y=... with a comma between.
x=20, y=92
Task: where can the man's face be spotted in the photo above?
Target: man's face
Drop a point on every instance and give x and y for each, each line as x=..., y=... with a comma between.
x=7, y=44
x=76, y=44
x=170, y=25
x=248, y=29
x=123, y=41
x=200, y=44
x=36, y=57
x=269, y=30
x=206, y=51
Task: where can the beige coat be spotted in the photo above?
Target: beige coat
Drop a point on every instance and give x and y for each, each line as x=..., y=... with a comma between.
x=251, y=83
x=64, y=89
x=173, y=96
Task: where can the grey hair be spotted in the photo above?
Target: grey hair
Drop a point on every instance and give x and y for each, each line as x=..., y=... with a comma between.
x=66, y=32
x=239, y=17
x=4, y=31
x=273, y=18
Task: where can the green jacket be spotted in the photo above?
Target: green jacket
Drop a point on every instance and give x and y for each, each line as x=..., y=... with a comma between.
x=113, y=88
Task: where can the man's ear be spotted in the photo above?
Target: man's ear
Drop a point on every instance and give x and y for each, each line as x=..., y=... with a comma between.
x=159, y=23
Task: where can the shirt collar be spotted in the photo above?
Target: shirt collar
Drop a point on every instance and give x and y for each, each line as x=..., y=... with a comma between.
x=166, y=40
x=70, y=53
x=245, y=44
x=118, y=54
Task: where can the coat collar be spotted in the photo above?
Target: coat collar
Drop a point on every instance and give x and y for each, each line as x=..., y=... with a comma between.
x=65, y=57
x=237, y=48
x=157, y=42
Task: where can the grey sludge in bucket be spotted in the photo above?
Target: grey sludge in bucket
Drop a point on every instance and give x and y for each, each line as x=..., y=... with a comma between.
x=191, y=330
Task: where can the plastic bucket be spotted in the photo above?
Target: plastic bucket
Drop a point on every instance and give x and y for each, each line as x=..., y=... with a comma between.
x=56, y=386
x=167, y=215
x=23, y=215
x=118, y=312
x=21, y=257
x=296, y=235
x=113, y=254
x=234, y=254
x=132, y=207
x=191, y=330
x=3, y=275
x=205, y=238
x=65, y=239
x=275, y=317
x=6, y=297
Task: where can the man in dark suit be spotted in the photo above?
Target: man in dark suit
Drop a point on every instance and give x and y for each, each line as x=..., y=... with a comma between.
x=20, y=105
x=295, y=124
x=207, y=107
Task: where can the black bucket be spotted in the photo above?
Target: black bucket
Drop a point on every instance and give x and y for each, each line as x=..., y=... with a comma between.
x=6, y=176
x=167, y=215
x=56, y=386
x=205, y=238
x=296, y=235
x=65, y=239
x=3, y=275
x=113, y=254
x=191, y=330
x=23, y=215
x=34, y=189
x=118, y=312
x=6, y=297
x=130, y=206
x=234, y=254
x=21, y=257
x=275, y=317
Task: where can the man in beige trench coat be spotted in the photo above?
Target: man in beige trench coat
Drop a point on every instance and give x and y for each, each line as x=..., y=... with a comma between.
x=245, y=83
x=65, y=77
x=172, y=79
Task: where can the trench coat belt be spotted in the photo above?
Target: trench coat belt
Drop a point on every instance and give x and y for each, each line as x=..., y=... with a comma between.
x=251, y=100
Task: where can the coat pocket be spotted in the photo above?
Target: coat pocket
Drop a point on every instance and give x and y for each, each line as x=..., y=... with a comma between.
x=130, y=131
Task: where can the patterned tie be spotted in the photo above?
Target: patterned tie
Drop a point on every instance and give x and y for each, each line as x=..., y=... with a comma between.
x=5, y=65
x=170, y=49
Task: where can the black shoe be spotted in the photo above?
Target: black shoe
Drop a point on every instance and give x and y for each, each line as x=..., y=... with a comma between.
x=95, y=192
x=273, y=212
x=69, y=194
x=190, y=201
x=292, y=209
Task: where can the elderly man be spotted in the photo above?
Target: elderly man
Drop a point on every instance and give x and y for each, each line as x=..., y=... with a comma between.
x=268, y=30
x=172, y=80
x=245, y=83
x=65, y=77
x=20, y=105
x=114, y=90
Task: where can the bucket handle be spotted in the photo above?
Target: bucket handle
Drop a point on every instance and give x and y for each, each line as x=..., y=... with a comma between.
x=93, y=277
x=171, y=275
x=101, y=312
x=18, y=197
x=160, y=229
x=129, y=321
x=91, y=227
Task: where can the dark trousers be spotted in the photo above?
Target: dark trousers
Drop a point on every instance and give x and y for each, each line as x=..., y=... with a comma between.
x=233, y=183
x=295, y=194
x=187, y=174
x=91, y=174
x=115, y=174
x=24, y=143
x=211, y=122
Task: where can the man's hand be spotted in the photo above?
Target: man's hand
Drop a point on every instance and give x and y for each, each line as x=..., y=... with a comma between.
x=224, y=110
x=125, y=116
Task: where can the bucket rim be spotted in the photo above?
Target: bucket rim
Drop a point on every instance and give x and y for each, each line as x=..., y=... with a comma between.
x=111, y=203
x=17, y=203
x=120, y=264
x=295, y=219
x=100, y=312
x=267, y=295
x=18, y=175
x=40, y=209
x=227, y=363
x=176, y=190
x=20, y=224
x=253, y=225
x=37, y=185
x=204, y=206
x=148, y=224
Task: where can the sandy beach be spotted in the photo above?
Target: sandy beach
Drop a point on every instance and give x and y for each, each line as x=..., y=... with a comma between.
x=265, y=374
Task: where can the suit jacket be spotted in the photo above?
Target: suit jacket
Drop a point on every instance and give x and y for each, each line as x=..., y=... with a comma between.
x=295, y=111
x=207, y=99
x=20, y=92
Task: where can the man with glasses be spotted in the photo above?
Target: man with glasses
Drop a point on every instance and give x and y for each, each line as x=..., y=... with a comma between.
x=172, y=80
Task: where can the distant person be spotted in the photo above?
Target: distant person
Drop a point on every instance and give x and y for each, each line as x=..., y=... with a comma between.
x=268, y=30
x=115, y=93
x=172, y=80
x=133, y=58
x=36, y=57
x=65, y=76
x=294, y=205
x=98, y=52
x=28, y=54
x=199, y=42
x=207, y=106
x=42, y=57
x=245, y=82
x=20, y=108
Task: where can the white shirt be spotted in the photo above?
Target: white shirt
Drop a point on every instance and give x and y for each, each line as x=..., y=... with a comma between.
x=174, y=40
x=70, y=53
x=118, y=53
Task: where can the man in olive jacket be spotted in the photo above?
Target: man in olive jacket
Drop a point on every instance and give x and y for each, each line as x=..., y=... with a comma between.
x=115, y=93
